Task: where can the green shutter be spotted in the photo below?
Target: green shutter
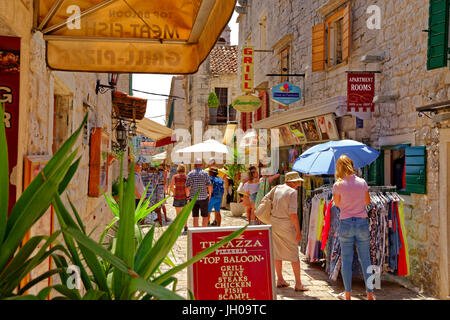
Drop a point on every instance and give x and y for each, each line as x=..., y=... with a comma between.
x=416, y=169
x=376, y=171
x=438, y=34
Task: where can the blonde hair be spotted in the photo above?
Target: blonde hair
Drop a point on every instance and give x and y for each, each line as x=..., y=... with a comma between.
x=181, y=168
x=344, y=167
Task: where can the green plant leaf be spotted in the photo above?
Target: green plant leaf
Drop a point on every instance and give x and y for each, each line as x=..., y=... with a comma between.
x=30, y=207
x=200, y=255
x=4, y=175
x=125, y=249
x=69, y=175
x=71, y=294
x=26, y=297
x=66, y=220
x=38, y=279
x=144, y=247
x=43, y=294
x=105, y=231
x=159, y=251
x=139, y=284
x=94, y=295
x=77, y=216
x=100, y=251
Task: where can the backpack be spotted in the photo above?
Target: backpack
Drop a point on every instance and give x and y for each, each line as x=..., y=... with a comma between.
x=218, y=189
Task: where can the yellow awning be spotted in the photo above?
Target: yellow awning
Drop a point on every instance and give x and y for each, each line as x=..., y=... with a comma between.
x=229, y=132
x=153, y=130
x=133, y=36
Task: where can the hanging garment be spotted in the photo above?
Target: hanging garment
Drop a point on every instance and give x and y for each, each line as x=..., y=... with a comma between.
x=405, y=238
x=305, y=225
x=312, y=229
x=320, y=219
x=401, y=268
x=326, y=227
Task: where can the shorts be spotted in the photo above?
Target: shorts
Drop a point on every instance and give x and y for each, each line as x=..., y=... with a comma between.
x=177, y=203
x=214, y=203
x=253, y=197
x=202, y=206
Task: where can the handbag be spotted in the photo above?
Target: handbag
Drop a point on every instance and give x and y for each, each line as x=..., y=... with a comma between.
x=264, y=210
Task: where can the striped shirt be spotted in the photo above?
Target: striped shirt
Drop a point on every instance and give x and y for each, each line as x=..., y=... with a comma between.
x=198, y=179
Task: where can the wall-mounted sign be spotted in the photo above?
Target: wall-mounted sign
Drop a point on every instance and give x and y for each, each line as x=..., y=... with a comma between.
x=240, y=270
x=246, y=103
x=247, y=70
x=286, y=93
x=360, y=91
x=9, y=96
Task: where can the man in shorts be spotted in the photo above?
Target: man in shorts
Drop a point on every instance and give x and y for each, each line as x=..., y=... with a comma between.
x=216, y=198
x=198, y=180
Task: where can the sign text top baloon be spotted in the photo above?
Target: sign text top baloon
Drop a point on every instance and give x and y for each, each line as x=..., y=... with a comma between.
x=133, y=36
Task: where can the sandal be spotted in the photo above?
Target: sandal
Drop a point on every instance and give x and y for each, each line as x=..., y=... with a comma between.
x=282, y=284
x=301, y=288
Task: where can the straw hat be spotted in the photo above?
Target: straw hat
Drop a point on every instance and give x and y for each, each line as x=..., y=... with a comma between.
x=292, y=176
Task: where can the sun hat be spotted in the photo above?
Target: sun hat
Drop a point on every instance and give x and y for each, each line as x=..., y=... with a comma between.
x=292, y=176
x=198, y=161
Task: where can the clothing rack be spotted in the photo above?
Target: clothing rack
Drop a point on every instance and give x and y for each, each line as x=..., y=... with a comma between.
x=324, y=188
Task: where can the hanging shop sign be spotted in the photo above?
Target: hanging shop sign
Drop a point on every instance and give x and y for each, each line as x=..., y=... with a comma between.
x=247, y=103
x=247, y=84
x=9, y=96
x=360, y=92
x=286, y=93
x=242, y=269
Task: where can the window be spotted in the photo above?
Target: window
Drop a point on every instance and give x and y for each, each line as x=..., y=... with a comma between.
x=401, y=166
x=219, y=115
x=331, y=40
x=438, y=24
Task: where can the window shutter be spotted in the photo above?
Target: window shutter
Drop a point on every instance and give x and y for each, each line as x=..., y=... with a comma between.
x=249, y=120
x=437, y=34
x=318, y=47
x=376, y=171
x=346, y=33
x=415, y=169
x=244, y=121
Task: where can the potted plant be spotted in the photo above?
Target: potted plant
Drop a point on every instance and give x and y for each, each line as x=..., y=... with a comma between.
x=213, y=101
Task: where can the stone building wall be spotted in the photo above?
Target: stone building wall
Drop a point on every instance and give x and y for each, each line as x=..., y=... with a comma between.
x=71, y=94
x=403, y=71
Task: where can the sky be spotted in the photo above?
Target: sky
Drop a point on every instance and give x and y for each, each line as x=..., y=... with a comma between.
x=156, y=83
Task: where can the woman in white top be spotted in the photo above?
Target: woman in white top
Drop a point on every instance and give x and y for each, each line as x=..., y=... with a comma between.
x=251, y=188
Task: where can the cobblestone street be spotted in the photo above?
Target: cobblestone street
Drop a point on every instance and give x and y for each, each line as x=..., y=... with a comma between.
x=313, y=275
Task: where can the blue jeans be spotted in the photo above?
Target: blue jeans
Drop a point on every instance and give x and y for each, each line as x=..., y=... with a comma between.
x=355, y=231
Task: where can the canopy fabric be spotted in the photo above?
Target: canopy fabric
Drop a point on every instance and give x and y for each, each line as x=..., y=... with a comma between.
x=321, y=159
x=153, y=130
x=207, y=146
x=160, y=156
x=129, y=107
x=229, y=133
x=134, y=36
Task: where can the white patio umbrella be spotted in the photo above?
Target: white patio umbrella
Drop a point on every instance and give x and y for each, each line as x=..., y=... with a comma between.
x=206, y=146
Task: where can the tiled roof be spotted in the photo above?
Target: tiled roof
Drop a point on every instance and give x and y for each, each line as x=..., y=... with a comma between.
x=224, y=59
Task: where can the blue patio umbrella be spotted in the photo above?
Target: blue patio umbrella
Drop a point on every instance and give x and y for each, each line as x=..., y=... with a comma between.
x=321, y=159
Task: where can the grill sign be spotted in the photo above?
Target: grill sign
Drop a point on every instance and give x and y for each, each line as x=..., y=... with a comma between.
x=360, y=91
x=247, y=69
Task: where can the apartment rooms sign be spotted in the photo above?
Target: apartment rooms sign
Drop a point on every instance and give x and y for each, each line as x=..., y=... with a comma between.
x=360, y=92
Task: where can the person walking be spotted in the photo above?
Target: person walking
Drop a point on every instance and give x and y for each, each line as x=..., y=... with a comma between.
x=139, y=187
x=251, y=188
x=198, y=180
x=178, y=189
x=151, y=179
x=286, y=232
x=351, y=195
x=216, y=199
x=160, y=189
